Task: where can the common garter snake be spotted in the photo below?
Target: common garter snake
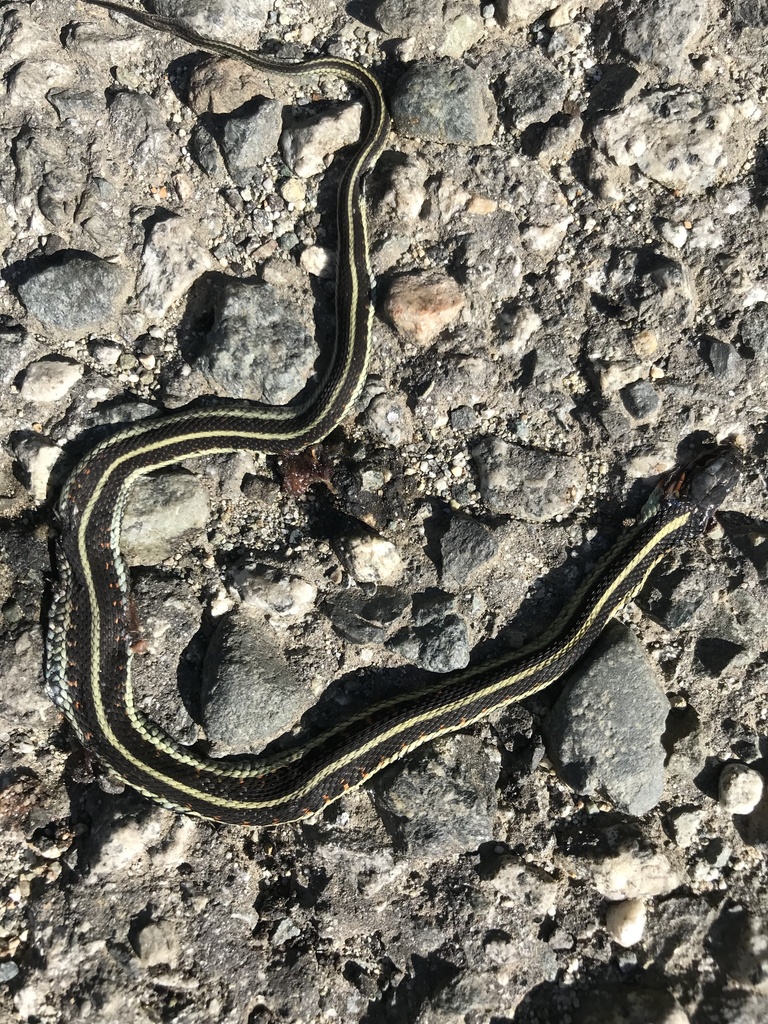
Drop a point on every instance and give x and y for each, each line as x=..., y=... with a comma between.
x=89, y=637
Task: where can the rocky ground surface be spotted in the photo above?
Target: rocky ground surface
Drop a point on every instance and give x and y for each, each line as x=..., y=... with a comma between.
x=568, y=230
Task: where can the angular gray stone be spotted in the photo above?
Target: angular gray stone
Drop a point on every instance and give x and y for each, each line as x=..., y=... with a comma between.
x=527, y=483
x=248, y=139
x=520, y=12
x=168, y=613
x=437, y=640
x=450, y=25
x=446, y=102
x=403, y=18
x=605, y=730
x=258, y=347
x=48, y=380
x=664, y=32
x=754, y=331
x=161, y=512
x=220, y=19
x=75, y=294
x=438, y=807
x=250, y=695
x=465, y=546
x=364, y=619
x=205, y=150
x=534, y=90
x=171, y=262
x=640, y=400
x=146, y=144
x=725, y=361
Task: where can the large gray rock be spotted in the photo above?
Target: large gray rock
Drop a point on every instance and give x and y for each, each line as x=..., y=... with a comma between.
x=605, y=730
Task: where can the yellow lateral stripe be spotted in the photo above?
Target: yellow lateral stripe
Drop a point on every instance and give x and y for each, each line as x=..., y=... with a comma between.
x=88, y=631
x=280, y=427
x=359, y=753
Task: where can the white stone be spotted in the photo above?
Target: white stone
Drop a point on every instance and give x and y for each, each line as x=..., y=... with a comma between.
x=519, y=328
x=308, y=146
x=30, y=80
x=460, y=34
x=741, y=789
x=39, y=458
x=171, y=262
x=675, y=234
x=633, y=875
x=106, y=352
x=318, y=261
x=372, y=559
x=686, y=827
x=681, y=139
x=126, y=847
x=282, y=599
x=626, y=922
x=407, y=192
x=48, y=380
x=293, y=190
x=157, y=943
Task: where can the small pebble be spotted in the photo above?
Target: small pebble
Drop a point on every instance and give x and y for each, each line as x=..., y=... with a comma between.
x=369, y=558
x=420, y=305
x=317, y=260
x=741, y=789
x=675, y=234
x=282, y=598
x=157, y=943
x=48, y=380
x=626, y=922
x=38, y=457
x=8, y=971
x=390, y=418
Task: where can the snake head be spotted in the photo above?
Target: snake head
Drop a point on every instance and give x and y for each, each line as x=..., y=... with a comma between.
x=706, y=481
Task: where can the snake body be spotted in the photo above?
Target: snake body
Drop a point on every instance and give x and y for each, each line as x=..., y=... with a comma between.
x=89, y=638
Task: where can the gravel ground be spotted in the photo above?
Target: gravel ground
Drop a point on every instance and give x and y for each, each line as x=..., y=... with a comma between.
x=568, y=232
